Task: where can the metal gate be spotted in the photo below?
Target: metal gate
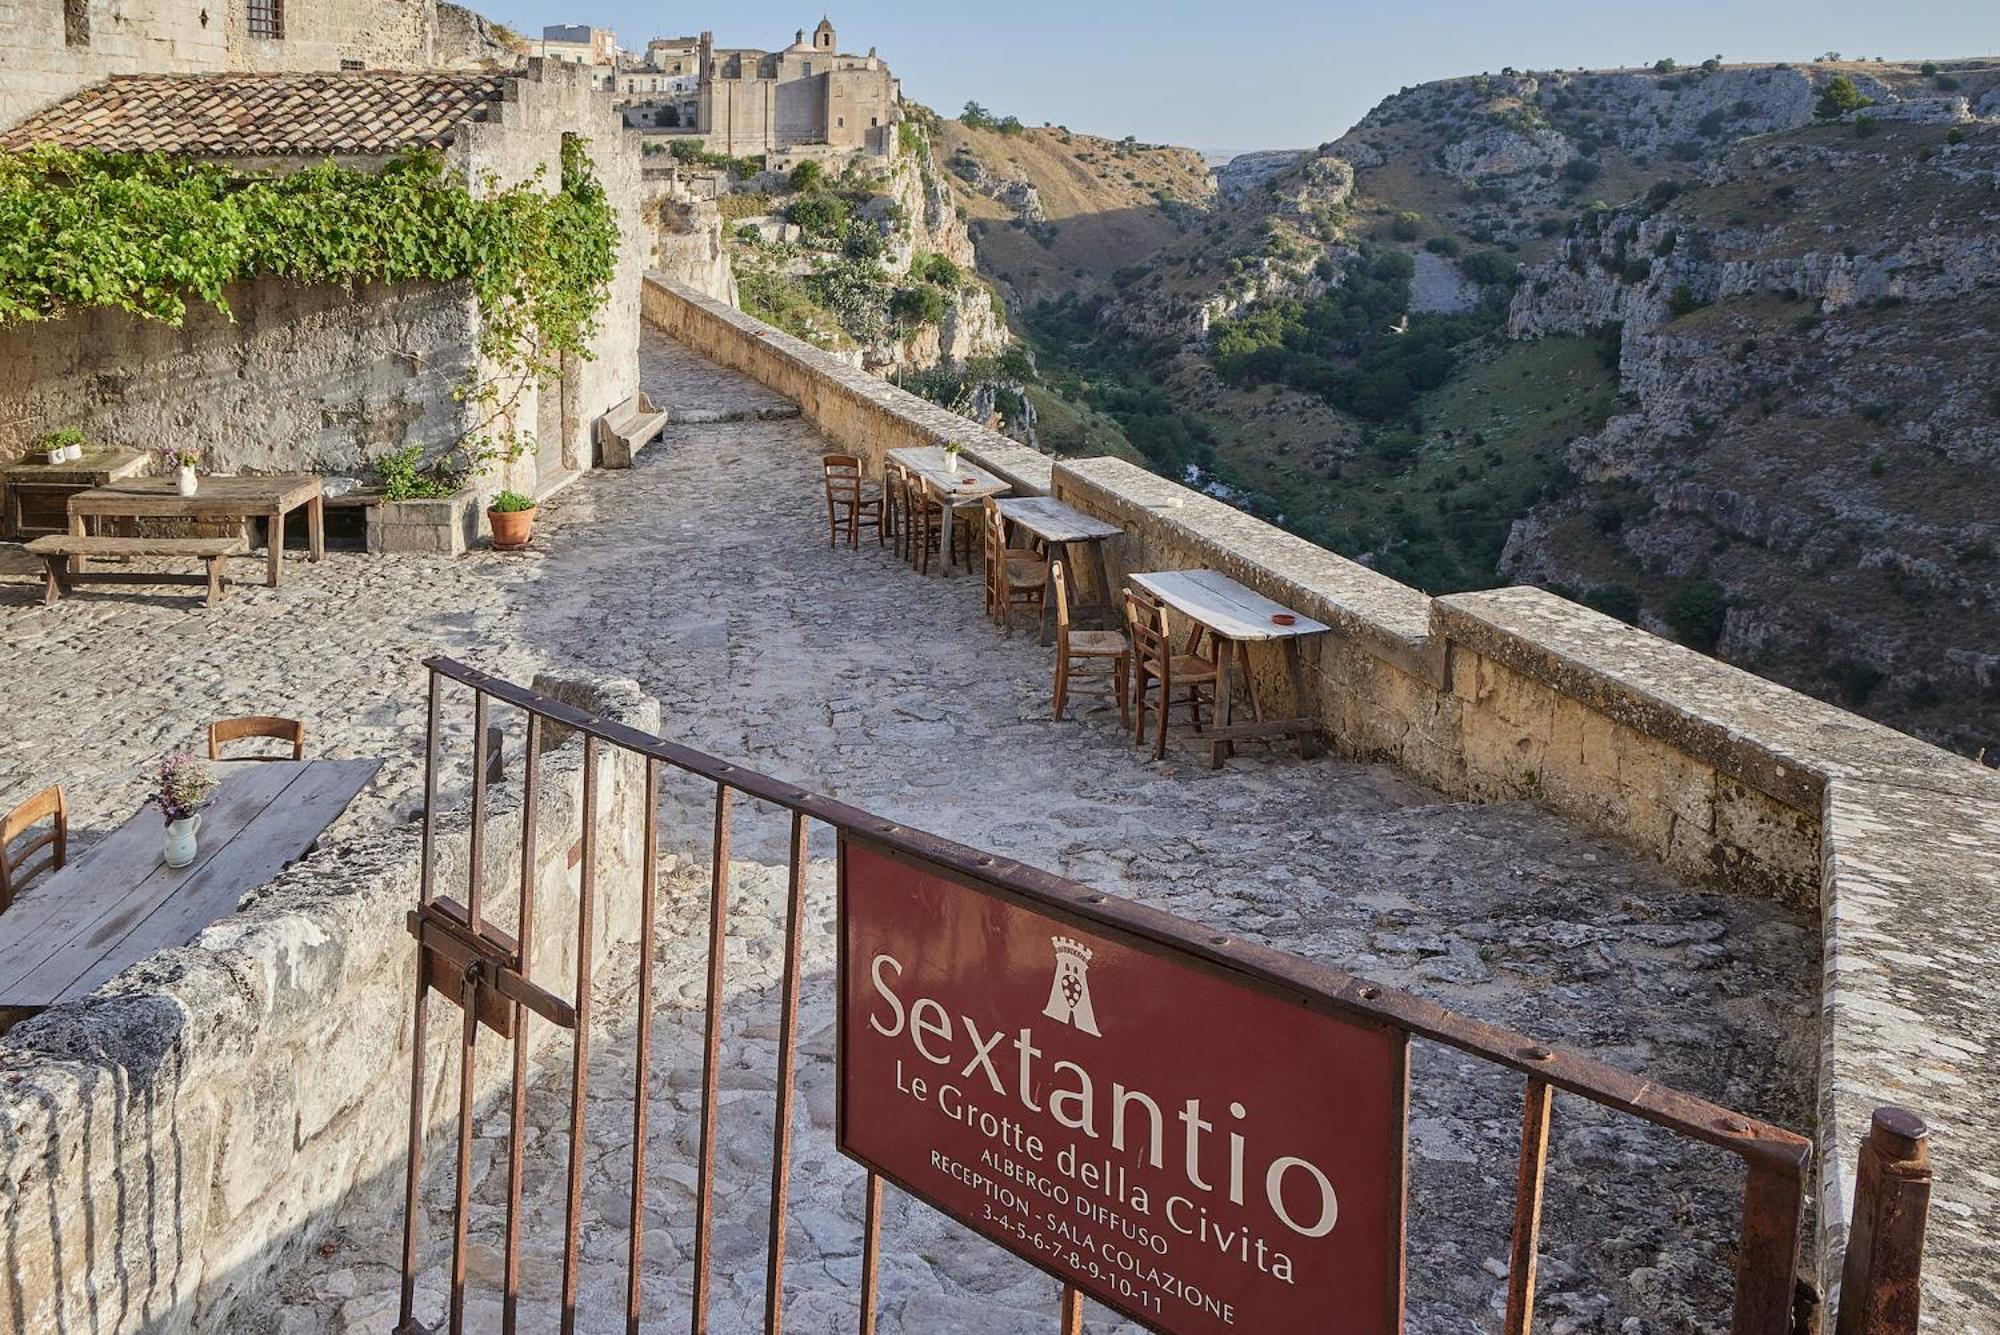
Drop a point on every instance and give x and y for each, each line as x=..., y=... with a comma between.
x=489, y=974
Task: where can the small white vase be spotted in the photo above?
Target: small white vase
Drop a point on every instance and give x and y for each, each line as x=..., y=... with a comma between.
x=185, y=480
x=72, y=453
x=180, y=846
x=57, y=454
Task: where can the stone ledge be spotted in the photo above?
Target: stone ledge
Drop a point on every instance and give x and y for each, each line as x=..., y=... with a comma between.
x=1778, y=740
x=444, y=525
x=829, y=391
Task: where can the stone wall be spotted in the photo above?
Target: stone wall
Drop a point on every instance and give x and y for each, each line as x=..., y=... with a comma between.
x=317, y=378
x=1519, y=694
x=865, y=414
x=302, y=377
x=176, y=1141
x=550, y=100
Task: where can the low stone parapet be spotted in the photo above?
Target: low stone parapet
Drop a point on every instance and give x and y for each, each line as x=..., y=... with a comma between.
x=865, y=414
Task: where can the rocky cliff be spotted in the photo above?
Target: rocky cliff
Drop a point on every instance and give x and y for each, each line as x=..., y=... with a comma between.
x=1706, y=346
x=865, y=257
x=1809, y=453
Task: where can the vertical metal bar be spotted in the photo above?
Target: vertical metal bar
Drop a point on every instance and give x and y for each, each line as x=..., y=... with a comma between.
x=1767, y=1255
x=711, y=1068
x=468, y=999
x=788, y=1052
x=580, y=1047
x=475, y=891
x=642, y=1083
x=1397, y=1224
x=1535, y=1106
x=419, y=1024
x=871, y=1254
x=517, y=1113
x=1070, y=1315
x=1880, y=1288
x=431, y=744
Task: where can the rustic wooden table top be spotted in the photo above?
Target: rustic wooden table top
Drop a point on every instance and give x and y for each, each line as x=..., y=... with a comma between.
x=1052, y=521
x=1232, y=610
x=94, y=468
x=119, y=902
x=159, y=496
x=928, y=462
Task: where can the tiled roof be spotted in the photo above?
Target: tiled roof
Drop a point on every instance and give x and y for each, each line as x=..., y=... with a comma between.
x=264, y=115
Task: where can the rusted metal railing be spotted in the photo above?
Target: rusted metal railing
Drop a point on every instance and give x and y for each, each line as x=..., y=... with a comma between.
x=490, y=975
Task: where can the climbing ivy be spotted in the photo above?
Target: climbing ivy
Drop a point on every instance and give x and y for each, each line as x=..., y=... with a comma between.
x=150, y=234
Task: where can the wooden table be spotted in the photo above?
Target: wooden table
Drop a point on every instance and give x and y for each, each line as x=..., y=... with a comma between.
x=120, y=903
x=270, y=498
x=38, y=493
x=1059, y=525
x=1238, y=616
x=967, y=484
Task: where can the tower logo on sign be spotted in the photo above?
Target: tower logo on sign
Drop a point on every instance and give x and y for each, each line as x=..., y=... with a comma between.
x=1069, y=990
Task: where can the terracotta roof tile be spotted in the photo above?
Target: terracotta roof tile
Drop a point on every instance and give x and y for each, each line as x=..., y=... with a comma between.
x=265, y=115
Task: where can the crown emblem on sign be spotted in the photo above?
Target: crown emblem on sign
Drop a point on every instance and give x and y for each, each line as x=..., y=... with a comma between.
x=1069, y=990
x=1074, y=949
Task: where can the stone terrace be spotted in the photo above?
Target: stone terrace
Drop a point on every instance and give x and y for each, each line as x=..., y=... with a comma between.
x=705, y=575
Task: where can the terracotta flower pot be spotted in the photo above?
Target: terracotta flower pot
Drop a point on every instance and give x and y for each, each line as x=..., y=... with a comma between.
x=511, y=528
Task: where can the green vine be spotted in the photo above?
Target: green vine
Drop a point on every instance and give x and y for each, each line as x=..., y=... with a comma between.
x=151, y=234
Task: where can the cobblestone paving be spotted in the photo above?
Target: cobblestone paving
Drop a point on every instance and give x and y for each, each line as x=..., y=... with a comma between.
x=705, y=574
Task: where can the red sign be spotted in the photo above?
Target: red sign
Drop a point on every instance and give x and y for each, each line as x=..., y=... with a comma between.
x=1188, y=1149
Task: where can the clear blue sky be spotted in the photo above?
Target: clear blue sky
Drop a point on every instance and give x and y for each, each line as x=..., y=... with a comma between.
x=1274, y=73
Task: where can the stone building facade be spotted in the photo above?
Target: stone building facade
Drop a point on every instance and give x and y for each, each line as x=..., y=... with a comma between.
x=750, y=101
x=53, y=50
x=296, y=377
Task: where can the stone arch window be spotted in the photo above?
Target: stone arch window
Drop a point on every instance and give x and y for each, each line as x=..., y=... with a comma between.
x=76, y=22
x=267, y=19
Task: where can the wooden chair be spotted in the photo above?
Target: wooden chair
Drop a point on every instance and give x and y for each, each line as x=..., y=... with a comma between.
x=1013, y=575
x=896, y=504
x=1154, y=659
x=1087, y=645
x=226, y=730
x=849, y=501
x=52, y=844
x=929, y=503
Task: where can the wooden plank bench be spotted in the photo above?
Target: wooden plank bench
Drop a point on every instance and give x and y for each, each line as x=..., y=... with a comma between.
x=626, y=429
x=58, y=550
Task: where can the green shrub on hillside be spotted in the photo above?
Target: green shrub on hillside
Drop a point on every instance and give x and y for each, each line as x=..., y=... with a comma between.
x=807, y=176
x=1407, y=226
x=938, y=270
x=1697, y=610
x=821, y=216
x=922, y=304
x=1839, y=97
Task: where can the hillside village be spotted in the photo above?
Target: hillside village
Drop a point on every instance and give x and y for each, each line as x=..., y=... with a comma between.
x=612, y=640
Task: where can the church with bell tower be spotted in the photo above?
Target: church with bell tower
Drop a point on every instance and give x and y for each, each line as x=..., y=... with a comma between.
x=810, y=94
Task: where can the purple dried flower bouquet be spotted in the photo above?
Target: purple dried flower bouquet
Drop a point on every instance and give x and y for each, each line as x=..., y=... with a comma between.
x=183, y=786
x=179, y=456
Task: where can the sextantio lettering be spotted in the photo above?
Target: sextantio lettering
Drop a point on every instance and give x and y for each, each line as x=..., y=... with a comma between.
x=1072, y=1101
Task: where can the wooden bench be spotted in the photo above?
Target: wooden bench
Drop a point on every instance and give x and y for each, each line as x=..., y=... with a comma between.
x=58, y=550
x=626, y=429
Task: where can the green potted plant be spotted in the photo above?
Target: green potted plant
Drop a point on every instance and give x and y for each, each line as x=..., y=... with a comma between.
x=64, y=446
x=512, y=516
